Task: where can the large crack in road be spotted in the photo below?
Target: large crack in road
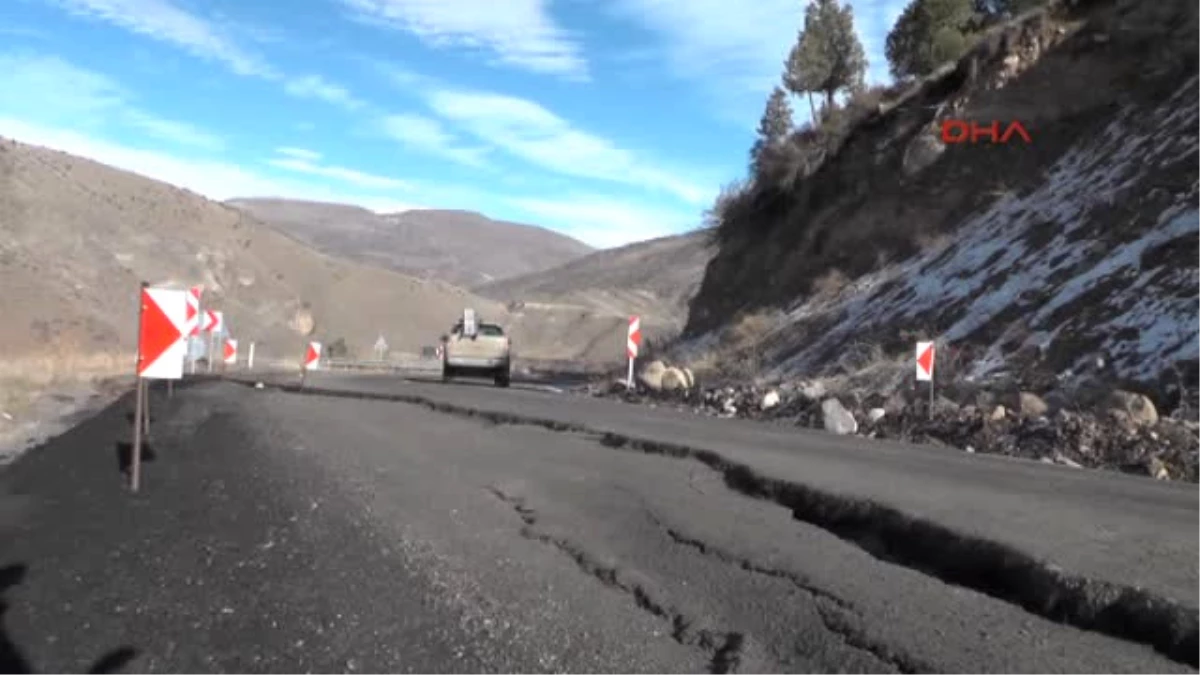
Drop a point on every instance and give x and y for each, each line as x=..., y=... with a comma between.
x=989, y=567
x=837, y=615
x=724, y=647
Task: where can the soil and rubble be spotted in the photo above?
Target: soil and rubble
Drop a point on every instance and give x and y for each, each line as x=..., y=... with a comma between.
x=1083, y=427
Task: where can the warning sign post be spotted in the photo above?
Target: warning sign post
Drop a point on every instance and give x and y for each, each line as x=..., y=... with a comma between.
x=231, y=351
x=161, y=350
x=632, y=341
x=925, y=359
x=311, y=361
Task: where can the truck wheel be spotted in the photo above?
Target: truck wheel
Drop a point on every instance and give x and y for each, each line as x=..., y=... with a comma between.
x=502, y=378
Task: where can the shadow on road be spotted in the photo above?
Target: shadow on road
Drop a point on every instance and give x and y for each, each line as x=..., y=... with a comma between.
x=11, y=658
x=125, y=454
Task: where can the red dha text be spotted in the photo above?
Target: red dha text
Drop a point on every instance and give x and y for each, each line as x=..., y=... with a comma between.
x=960, y=131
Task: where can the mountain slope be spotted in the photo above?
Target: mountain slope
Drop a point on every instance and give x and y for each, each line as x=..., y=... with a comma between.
x=79, y=236
x=1075, y=253
x=655, y=279
x=460, y=247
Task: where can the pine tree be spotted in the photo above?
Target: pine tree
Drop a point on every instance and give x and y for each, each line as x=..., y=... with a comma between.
x=928, y=34
x=827, y=57
x=773, y=129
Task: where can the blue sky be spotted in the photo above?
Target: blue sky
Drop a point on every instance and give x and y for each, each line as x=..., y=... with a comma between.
x=610, y=120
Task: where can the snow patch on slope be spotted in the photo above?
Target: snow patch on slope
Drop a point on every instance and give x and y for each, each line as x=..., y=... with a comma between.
x=1041, y=253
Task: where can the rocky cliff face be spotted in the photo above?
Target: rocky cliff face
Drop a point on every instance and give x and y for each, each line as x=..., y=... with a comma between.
x=1074, y=253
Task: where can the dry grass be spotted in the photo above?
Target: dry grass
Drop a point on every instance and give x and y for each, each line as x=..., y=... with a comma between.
x=23, y=379
x=830, y=284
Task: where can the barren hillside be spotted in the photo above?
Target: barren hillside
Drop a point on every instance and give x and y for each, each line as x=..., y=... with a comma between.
x=655, y=279
x=78, y=237
x=460, y=247
x=1075, y=253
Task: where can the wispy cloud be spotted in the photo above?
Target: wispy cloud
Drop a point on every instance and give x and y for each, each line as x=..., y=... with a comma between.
x=309, y=163
x=519, y=33
x=529, y=131
x=737, y=51
x=173, y=131
x=169, y=23
x=317, y=87
x=214, y=179
x=49, y=88
x=427, y=135
x=724, y=44
x=604, y=221
x=298, y=153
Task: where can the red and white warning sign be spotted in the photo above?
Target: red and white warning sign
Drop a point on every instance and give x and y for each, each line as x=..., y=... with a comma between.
x=213, y=322
x=312, y=356
x=634, y=340
x=925, y=361
x=161, y=332
x=193, y=310
x=230, y=351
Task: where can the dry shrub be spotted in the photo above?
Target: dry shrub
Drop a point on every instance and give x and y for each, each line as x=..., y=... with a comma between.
x=749, y=329
x=932, y=241
x=829, y=284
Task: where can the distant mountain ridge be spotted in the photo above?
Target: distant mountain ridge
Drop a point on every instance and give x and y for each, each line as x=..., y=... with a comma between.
x=463, y=248
x=655, y=279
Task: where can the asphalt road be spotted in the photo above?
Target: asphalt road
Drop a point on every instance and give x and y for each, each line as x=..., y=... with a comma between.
x=460, y=528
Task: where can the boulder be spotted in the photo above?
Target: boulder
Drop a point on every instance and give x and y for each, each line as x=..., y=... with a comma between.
x=652, y=375
x=811, y=389
x=769, y=400
x=673, y=379
x=1139, y=408
x=998, y=413
x=1031, y=405
x=876, y=414
x=837, y=419
x=690, y=377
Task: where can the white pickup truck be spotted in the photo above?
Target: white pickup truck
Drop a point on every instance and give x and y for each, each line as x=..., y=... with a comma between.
x=476, y=348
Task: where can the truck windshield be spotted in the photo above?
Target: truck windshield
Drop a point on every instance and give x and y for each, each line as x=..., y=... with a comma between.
x=490, y=330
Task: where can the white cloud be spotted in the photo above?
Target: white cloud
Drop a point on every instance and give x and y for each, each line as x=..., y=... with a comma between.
x=519, y=33
x=427, y=135
x=166, y=22
x=313, y=167
x=213, y=179
x=536, y=135
x=50, y=89
x=605, y=222
x=298, y=153
x=173, y=131
x=738, y=50
x=315, y=86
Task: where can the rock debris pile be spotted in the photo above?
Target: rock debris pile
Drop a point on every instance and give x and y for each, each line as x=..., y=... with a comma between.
x=1115, y=429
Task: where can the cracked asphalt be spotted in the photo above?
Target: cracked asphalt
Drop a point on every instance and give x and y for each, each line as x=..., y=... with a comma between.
x=304, y=533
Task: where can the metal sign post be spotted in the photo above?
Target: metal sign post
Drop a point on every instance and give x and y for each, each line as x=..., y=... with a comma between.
x=135, y=460
x=633, y=339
